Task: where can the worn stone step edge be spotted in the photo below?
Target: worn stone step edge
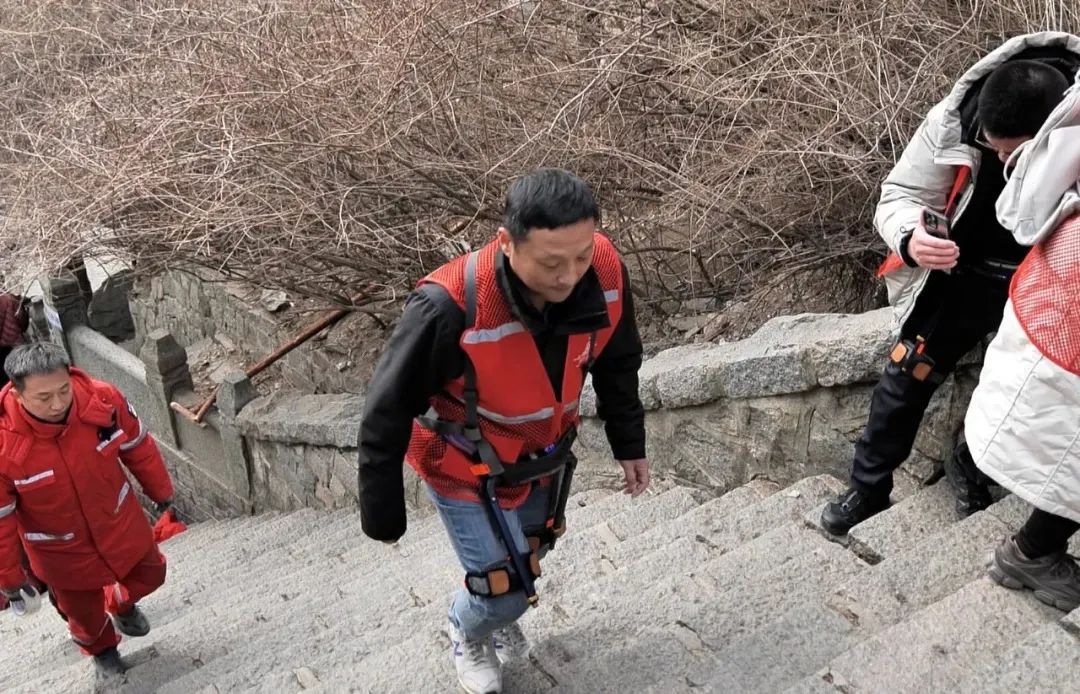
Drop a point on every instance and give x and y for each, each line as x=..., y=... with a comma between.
x=969, y=627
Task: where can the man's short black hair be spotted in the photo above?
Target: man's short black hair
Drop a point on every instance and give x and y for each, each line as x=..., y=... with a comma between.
x=546, y=199
x=1018, y=97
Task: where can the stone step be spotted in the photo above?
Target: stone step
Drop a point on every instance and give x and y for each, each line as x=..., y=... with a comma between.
x=688, y=620
x=717, y=528
x=279, y=574
x=39, y=631
x=589, y=511
x=265, y=582
x=432, y=541
x=797, y=642
x=233, y=655
x=25, y=671
x=1014, y=512
x=714, y=533
x=248, y=565
x=77, y=675
x=583, y=553
x=432, y=582
x=250, y=541
x=920, y=512
x=632, y=516
x=923, y=514
x=698, y=521
x=659, y=593
x=367, y=629
x=1047, y=660
x=431, y=671
x=941, y=645
x=921, y=574
x=200, y=536
x=399, y=585
x=221, y=535
x=783, y=651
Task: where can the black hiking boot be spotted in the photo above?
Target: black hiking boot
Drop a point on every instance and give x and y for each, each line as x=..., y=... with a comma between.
x=131, y=623
x=971, y=485
x=851, y=508
x=108, y=666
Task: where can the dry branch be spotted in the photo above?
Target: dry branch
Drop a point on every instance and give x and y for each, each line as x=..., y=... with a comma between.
x=322, y=145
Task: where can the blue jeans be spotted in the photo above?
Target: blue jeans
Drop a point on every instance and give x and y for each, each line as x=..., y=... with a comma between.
x=479, y=547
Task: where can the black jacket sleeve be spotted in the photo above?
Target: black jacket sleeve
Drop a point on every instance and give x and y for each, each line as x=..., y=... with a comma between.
x=615, y=380
x=420, y=357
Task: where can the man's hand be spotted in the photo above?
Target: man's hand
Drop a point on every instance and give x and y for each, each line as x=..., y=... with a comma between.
x=636, y=473
x=931, y=252
x=24, y=600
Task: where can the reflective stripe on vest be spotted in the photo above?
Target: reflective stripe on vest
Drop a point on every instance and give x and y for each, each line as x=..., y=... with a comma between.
x=138, y=439
x=115, y=435
x=45, y=537
x=35, y=478
x=475, y=337
x=123, y=495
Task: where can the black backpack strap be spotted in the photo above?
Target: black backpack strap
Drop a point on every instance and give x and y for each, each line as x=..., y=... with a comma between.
x=470, y=395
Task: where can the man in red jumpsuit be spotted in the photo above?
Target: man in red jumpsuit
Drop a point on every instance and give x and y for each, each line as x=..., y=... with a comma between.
x=65, y=441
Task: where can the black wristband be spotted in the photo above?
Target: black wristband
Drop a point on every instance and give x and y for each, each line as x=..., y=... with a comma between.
x=902, y=248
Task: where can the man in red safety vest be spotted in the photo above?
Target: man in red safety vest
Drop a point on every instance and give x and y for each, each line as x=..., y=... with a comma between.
x=478, y=391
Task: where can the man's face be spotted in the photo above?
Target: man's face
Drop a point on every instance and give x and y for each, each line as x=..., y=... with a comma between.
x=550, y=262
x=47, y=397
x=1004, y=146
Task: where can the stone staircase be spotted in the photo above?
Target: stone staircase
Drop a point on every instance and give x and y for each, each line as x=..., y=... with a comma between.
x=663, y=593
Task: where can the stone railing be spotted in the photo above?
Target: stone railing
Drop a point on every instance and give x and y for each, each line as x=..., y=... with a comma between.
x=785, y=403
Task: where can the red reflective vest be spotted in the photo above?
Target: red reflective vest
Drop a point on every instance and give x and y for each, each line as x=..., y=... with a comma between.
x=63, y=492
x=519, y=412
x=1044, y=293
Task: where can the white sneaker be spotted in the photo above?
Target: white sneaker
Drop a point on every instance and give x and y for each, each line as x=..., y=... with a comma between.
x=477, y=667
x=510, y=643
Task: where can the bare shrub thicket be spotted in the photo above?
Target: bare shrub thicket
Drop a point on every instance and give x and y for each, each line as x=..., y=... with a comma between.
x=330, y=147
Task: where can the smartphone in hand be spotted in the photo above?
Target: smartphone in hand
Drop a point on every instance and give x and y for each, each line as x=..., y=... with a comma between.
x=935, y=223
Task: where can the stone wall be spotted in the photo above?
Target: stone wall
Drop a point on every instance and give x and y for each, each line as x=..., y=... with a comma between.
x=194, y=309
x=303, y=451
x=785, y=403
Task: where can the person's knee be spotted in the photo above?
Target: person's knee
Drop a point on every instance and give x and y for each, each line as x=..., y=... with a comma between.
x=151, y=574
x=506, y=608
x=497, y=612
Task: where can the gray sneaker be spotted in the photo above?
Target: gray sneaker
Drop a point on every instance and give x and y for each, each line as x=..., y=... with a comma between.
x=1055, y=578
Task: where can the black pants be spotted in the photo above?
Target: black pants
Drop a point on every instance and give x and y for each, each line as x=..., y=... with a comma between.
x=1044, y=533
x=953, y=313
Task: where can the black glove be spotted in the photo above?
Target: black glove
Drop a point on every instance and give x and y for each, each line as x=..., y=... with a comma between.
x=382, y=503
x=24, y=600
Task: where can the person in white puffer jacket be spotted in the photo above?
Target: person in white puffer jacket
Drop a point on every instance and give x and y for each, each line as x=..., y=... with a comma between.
x=950, y=293
x=1023, y=423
